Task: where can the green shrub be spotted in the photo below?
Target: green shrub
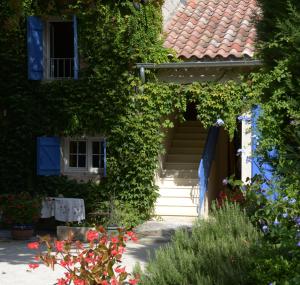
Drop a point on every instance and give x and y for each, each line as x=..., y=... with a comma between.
x=217, y=251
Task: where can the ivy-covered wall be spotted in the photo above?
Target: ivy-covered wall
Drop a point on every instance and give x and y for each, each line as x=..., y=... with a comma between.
x=107, y=99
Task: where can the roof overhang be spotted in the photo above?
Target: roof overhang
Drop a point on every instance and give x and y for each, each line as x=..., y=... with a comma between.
x=205, y=65
x=201, y=64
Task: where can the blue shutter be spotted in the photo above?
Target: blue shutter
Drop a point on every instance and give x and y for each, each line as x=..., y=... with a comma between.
x=259, y=168
x=48, y=156
x=76, y=61
x=104, y=154
x=35, y=48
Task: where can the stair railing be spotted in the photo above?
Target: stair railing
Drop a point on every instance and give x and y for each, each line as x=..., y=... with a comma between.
x=206, y=163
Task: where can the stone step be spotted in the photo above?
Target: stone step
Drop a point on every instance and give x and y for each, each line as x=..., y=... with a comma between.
x=176, y=201
x=182, y=173
x=176, y=211
x=191, y=192
x=188, y=143
x=175, y=182
x=178, y=158
x=190, y=136
x=186, y=150
x=181, y=165
x=190, y=124
x=192, y=129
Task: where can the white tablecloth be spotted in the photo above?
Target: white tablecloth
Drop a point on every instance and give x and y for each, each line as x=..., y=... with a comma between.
x=63, y=209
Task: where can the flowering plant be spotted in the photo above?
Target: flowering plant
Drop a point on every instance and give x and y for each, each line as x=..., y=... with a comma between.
x=97, y=263
x=232, y=191
x=20, y=208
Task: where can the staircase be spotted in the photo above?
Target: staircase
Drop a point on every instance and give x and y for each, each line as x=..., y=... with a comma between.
x=178, y=182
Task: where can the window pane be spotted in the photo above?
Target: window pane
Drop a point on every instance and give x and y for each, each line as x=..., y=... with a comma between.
x=96, y=147
x=81, y=160
x=96, y=161
x=73, y=147
x=73, y=160
x=82, y=147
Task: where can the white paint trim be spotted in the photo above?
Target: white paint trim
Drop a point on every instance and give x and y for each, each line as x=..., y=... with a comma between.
x=246, y=146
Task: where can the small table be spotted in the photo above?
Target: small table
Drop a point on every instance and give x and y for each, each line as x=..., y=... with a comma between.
x=63, y=209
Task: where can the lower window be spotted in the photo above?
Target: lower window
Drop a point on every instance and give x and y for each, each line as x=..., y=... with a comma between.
x=85, y=155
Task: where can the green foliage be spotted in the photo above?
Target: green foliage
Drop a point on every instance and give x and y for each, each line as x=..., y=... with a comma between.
x=20, y=209
x=217, y=251
x=278, y=253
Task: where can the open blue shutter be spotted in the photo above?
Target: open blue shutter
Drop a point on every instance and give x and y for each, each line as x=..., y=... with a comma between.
x=35, y=48
x=259, y=168
x=76, y=61
x=48, y=156
x=104, y=154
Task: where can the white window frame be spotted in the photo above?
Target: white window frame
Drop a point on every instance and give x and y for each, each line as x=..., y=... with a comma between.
x=47, y=48
x=89, y=153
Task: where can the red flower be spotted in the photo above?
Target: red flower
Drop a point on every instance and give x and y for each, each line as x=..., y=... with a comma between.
x=59, y=245
x=113, y=281
x=79, y=282
x=121, y=249
x=104, y=282
x=33, y=265
x=114, y=240
x=132, y=236
x=130, y=233
x=103, y=240
x=114, y=252
x=61, y=281
x=120, y=269
x=92, y=235
x=33, y=245
x=133, y=281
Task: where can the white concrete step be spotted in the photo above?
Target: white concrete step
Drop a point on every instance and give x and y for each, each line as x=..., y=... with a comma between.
x=192, y=129
x=176, y=201
x=192, y=136
x=188, y=143
x=183, y=173
x=178, y=158
x=180, y=191
x=186, y=150
x=181, y=165
x=175, y=182
x=176, y=211
x=190, y=124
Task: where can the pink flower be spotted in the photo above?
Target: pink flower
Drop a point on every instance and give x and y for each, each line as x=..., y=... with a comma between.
x=61, y=281
x=114, y=252
x=33, y=245
x=113, y=281
x=104, y=282
x=92, y=235
x=79, y=282
x=130, y=233
x=133, y=281
x=121, y=249
x=33, y=265
x=114, y=240
x=59, y=245
x=120, y=269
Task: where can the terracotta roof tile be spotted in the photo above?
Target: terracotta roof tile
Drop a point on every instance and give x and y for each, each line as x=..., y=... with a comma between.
x=213, y=28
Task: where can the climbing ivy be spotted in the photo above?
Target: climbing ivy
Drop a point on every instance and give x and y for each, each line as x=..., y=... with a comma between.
x=108, y=98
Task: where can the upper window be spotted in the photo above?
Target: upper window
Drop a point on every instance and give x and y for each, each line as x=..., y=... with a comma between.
x=60, y=48
x=52, y=49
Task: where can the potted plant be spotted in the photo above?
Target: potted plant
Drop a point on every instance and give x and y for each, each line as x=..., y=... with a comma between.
x=21, y=211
